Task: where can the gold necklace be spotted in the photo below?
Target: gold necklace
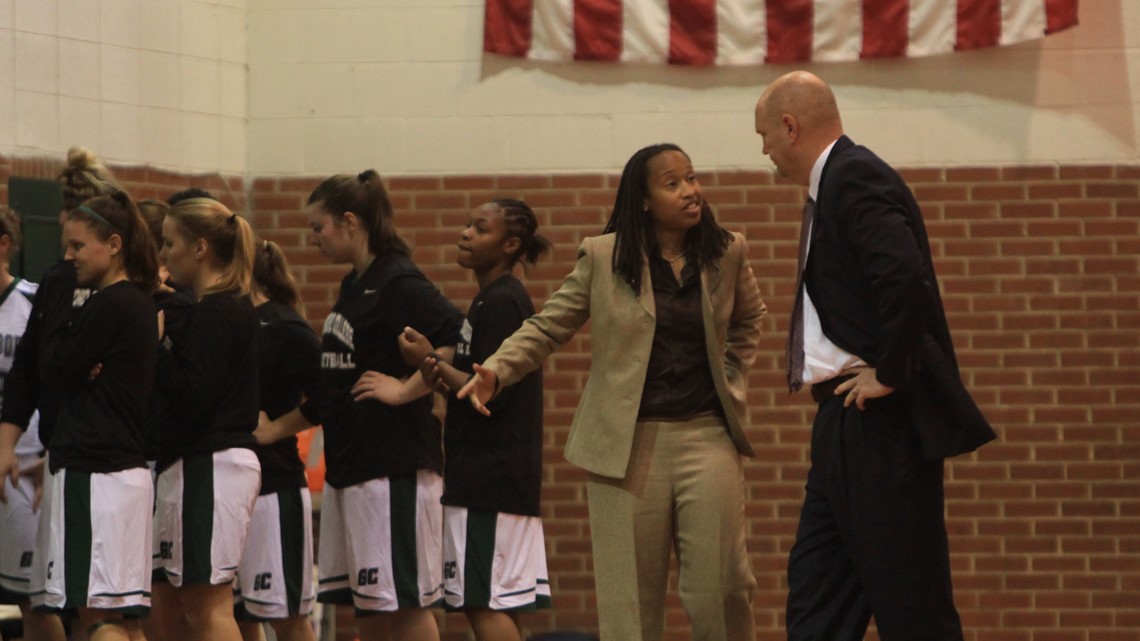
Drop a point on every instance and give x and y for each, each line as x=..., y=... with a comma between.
x=672, y=261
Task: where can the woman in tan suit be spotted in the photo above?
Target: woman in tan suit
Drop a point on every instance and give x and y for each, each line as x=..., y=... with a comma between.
x=675, y=316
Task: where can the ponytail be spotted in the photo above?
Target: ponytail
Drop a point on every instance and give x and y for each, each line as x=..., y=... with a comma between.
x=229, y=237
x=154, y=212
x=272, y=276
x=117, y=214
x=84, y=177
x=363, y=195
x=521, y=223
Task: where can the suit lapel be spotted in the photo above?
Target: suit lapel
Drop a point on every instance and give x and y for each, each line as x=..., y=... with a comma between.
x=646, y=297
x=841, y=146
x=710, y=280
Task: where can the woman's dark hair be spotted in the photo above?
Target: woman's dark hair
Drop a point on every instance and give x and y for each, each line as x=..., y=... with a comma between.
x=118, y=214
x=154, y=212
x=521, y=223
x=363, y=195
x=633, y=223
x=187, y=194
x=84, y=177
x=272, y=276
x=10, y=227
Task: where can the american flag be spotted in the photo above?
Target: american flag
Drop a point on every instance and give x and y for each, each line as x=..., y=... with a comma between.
x=748, y=32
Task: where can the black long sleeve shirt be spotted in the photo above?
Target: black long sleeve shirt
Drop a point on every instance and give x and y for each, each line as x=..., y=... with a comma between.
x=57, y=301
x=367, y=440
x=165, y=415
x=210, y=373
x=495, y=462
x=290, y=362
x=99, y=428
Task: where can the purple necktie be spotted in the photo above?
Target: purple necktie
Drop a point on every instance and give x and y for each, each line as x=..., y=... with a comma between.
x=796, y=332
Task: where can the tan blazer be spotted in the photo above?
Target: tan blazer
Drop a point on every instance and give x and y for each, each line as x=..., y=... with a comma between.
x=621, y=338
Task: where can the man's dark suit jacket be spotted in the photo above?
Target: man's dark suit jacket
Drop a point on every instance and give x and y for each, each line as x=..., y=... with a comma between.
x=871, y=278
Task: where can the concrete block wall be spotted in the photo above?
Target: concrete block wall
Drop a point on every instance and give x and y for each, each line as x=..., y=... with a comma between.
x=161, y=82
x=403, y=85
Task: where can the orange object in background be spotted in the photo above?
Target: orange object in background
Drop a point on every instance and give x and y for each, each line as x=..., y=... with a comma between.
x=310, y=445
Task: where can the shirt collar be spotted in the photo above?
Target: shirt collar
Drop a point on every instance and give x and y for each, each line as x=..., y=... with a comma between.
x=817, y=171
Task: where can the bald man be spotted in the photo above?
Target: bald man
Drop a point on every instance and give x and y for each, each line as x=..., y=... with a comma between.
x=869, y=335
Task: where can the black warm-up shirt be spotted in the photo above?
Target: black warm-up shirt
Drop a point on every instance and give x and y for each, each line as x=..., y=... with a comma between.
x=290, y=359
x=368, y=440
x=99, y=428
x=165, y=414
x=57, y=302
x=495, y=462
x=210, y=373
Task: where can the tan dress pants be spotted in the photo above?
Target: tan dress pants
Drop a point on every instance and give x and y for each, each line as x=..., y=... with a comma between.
x=683, y=490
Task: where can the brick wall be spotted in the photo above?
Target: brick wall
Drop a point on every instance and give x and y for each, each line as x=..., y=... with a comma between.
x=1040, y=267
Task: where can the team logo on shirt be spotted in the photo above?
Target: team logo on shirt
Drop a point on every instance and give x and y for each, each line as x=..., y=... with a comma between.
x=337, y=326
x=8, y=343
x=80, y=296
x=337, y=360
x=464, y=346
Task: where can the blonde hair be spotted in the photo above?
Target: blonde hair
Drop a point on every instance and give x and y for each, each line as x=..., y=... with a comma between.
x=84, y=177
x=229, y=236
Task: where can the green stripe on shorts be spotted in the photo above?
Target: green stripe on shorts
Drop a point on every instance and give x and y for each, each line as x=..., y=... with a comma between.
x=76, y=538
x=402, y=513
x=292, y=515
x=480, y=556
x=197, y=518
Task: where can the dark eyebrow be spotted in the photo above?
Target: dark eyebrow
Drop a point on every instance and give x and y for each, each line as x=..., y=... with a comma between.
x=688, y=169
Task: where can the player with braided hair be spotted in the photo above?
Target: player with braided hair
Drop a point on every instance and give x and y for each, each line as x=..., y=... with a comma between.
x=493, y=549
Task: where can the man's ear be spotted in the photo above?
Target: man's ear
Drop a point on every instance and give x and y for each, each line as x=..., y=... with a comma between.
x=791, y=125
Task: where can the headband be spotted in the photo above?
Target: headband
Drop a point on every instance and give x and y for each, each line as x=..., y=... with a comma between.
x=94, y=214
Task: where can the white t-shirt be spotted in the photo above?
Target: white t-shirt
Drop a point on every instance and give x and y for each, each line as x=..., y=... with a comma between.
x=15, y=309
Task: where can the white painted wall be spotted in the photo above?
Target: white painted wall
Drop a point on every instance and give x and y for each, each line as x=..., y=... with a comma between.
x=161, y=82
x=402, y=86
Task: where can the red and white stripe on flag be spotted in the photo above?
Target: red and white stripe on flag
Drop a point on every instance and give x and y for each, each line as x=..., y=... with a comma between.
x=742, y=32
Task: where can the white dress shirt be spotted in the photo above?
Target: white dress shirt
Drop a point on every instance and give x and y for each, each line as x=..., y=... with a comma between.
x=823, y=360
